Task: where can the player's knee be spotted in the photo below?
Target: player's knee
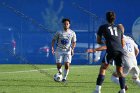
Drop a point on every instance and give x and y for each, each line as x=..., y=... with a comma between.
x=120, y=74
x=115, y=74
x=59, y=65
x=67, y=65
x=104, y=66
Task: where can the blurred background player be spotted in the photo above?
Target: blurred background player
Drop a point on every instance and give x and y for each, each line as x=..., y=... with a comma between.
x=14, y=46
x=114, y=42
x=66, y=42
x=97, y=55
x=45, y=49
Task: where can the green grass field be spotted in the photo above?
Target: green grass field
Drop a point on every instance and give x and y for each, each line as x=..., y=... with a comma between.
x=81, y=79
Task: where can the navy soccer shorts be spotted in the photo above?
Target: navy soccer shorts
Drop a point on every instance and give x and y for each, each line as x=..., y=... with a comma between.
x=116, y=56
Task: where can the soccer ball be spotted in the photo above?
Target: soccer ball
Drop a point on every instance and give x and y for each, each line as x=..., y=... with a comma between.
x=58, y=77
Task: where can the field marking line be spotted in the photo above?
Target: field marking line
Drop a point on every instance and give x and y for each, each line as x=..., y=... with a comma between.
x=26, y=71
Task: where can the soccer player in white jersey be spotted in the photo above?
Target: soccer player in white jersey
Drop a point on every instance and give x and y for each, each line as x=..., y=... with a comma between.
x=130, y=62
x=66, y=42
x=129, y=59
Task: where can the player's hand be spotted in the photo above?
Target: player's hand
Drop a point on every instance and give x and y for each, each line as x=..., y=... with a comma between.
x=90, y=50
x=72, y=52
x=53, y=52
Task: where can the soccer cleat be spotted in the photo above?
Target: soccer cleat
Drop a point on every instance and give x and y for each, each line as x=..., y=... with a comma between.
x=64, y=80
x=126, y=87
x=122, y=91
x=97, y=91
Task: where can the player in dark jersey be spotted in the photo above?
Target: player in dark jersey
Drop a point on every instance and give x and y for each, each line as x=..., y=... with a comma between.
x=114, y=42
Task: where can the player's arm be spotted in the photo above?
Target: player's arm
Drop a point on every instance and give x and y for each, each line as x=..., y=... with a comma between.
x=56, y=36
x=96, y=49
x=72, y=48
x=136, y=51
x=122, y=38
x=121, y=27
x=123, y=42
x=73, y=45
x=135, y=47
x=74, y=39
x=99, y=35
x=99, y=40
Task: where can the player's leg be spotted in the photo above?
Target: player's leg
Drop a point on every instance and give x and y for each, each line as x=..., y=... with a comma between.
x=121, y=78
x=59, y=59
x=115, y=78
x=135, y=75
x=119, y=69
x=136, y=80
x=59, y=67
x=101, y=76
x=66, y=71
x=67, y=60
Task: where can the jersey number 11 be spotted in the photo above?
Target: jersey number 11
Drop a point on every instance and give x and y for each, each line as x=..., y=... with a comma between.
x=113, y=31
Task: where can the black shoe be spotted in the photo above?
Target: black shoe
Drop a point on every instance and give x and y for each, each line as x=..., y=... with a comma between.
x=126, y=87
x=64, y=80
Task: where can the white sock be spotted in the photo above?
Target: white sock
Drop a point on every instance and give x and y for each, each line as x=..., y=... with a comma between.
x=115, y=79
x=60, y=70
x=66, y=72
x=122, y=91
x=98, y=87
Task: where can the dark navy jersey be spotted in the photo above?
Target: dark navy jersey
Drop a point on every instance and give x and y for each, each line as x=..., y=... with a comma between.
x=113, y=37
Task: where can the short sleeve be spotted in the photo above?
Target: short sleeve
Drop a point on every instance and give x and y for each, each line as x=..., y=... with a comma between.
x=74, y=39
x=100, y=31
x=56, y=36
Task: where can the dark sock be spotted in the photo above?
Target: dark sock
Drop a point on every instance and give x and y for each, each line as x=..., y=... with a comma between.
x=122, y=82
x=100, y=79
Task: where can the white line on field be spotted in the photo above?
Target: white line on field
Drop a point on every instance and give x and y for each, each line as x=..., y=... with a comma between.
x=26, y=71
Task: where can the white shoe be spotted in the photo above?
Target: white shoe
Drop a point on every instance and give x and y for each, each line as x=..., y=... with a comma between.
x=122, y=91
x=97, y=91
x=137, y=82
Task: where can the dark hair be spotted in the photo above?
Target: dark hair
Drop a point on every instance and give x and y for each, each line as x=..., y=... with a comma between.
x=110, y=16
x=65, y=19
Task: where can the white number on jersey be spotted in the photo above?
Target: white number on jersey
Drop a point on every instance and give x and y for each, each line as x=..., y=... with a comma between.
x=113, y=31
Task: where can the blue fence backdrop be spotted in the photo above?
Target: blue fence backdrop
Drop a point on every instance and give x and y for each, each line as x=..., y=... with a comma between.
x=27, y=27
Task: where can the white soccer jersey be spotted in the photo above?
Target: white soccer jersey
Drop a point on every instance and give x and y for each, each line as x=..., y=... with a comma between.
x=129, y=52
x=64, y=39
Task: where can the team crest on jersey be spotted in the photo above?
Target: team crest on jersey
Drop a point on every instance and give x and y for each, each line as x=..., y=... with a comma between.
x=64, y=41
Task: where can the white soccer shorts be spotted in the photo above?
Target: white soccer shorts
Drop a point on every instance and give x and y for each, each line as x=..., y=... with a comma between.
x=134, y=71
x=62, y=57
